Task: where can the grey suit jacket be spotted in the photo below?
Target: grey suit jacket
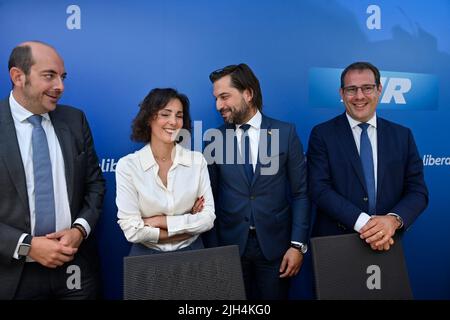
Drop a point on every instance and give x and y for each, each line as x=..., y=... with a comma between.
x=85, y=186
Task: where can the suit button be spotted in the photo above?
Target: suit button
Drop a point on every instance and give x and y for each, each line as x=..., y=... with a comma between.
x=341, y=226
x=246, y=219
x=252, y=197
x=365, y=199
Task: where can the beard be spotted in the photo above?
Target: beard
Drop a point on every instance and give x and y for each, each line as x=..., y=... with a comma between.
x=238, y=115
x=31, y=98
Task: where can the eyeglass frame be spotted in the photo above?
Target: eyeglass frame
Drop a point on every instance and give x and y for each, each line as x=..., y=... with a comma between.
x=372, y=88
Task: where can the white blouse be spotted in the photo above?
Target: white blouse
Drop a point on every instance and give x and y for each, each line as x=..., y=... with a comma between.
x=141, y=194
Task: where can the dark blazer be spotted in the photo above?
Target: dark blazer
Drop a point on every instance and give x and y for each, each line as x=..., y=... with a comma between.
x=279, y=201
x=336, y=179
x=85, y=186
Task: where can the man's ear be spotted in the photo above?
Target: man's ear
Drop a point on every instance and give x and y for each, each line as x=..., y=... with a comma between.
x=248, y=95
x=17, y=77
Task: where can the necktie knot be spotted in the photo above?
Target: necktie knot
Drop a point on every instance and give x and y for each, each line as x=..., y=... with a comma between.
x=245, y=127
x=35, y=120
x=363, y=126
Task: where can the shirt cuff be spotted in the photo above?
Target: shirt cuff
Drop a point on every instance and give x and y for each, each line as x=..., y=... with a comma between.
x=16, y=252
x=85, y=225
x=361, y=221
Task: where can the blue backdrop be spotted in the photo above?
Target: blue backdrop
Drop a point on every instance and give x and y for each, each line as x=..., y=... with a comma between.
x=116, y=51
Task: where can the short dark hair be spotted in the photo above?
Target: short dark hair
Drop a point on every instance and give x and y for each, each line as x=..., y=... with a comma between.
x=22, y=58
x=242, y=78
x=361, y=66
x=156, y=100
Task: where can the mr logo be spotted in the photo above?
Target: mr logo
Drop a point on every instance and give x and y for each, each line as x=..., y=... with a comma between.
x=74, y=280
x=401, y=90
x=374, y=280
x=395, y=88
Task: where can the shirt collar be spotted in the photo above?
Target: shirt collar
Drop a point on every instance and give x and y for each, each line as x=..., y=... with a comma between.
x=19, y=112
x=254, y=122
x=182, y=157
x=353, y=123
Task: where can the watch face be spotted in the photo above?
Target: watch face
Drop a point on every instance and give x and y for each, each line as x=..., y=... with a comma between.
x=24, y=249
x=300, y=247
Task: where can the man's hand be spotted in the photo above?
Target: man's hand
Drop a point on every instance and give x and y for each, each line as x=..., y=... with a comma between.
x=67, y=237
x=291, y=263
x=384, y=247
x=379, y=230
x=50, y=253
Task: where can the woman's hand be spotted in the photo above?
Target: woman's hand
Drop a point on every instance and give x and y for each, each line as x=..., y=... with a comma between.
x=198, y=205
x=158, y=221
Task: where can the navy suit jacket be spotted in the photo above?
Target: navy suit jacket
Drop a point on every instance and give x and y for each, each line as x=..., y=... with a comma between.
x=336, y=178
x=278, y=201
x=85, y=187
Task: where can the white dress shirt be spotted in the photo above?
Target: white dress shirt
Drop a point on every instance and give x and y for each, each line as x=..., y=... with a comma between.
x=372, y=133
x=253, y=134
x=141, y=194
x=24, y=131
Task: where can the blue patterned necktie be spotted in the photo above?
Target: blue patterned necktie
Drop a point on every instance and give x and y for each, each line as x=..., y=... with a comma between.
x=43, y=181
x=366, y=155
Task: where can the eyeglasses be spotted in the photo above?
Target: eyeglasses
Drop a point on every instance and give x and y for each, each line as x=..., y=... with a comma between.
x=219, y=73
x=366, y=89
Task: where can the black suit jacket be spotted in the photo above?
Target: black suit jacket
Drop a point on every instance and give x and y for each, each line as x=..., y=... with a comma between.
x=85, y=186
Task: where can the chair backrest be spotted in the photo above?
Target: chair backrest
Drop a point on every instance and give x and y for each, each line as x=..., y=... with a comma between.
x=345, y=267
x=206, y=274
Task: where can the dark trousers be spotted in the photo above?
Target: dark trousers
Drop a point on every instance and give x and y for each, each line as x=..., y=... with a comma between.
x=261, y=276
x=75, y=280
x=138, y=249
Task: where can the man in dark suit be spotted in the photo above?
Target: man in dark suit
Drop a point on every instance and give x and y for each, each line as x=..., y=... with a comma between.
x=365, y=173
x=51, y=185
x=258, y=175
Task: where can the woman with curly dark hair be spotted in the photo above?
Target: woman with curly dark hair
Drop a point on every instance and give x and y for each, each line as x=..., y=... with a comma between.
x=164, y=196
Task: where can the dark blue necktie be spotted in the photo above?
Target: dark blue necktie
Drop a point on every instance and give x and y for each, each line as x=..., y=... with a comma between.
x=43, y=181
x=248, y=167
x=366, y=155
x=245, y=152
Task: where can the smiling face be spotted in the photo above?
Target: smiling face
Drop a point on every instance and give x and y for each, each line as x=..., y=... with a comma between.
x=234, y=106
x=40, y=90
x=167, y=122
x=360, y=106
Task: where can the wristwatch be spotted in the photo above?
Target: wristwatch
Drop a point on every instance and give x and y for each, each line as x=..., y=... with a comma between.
x=25, y=246
x=302, y=247
x=81, y=229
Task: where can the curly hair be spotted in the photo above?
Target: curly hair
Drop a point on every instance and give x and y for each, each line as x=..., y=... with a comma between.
x=156, y=100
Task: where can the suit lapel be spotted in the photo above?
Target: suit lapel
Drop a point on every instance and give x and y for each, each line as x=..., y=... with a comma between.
x=382, y=152
x=62, y=131
x=350, y=150
x=11, y=153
